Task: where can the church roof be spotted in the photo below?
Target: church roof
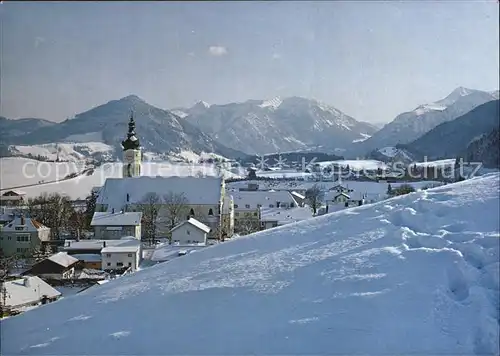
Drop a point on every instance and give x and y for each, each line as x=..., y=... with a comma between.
x=198, y=191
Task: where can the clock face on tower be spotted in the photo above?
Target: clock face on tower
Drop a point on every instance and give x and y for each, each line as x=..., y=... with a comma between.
x=128, y=156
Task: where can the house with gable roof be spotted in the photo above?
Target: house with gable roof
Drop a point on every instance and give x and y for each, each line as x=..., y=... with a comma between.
x=22, y=235
x=116, y=224
x=27, y=292
x=190, y=231
x=58, y=266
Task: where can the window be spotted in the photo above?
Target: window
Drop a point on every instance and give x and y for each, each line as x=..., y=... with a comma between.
x=130, y=264
x=108, y=255
x=9, y=238
x=236, y=206
x=271, y=205
x=129, y=255
x=109, y=264
x=188, y=232
x=19, y=228
x=247, y=206
x=237, y=214
x=191, y=212
x=292, y=205
x=210, y=211
x=259, y=205
x=119, y=264
x=23, y=238
x=278, y=204
x=255, y=214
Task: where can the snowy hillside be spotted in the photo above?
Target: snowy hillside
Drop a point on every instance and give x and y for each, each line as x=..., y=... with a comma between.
x=18, y=172
x=409, y=126
x=417, y=274
x=268, y=126
x=159, y=130
x=65, y=151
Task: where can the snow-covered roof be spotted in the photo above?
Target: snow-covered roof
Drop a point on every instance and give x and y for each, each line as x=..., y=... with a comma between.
x=298, y=195
x=31, y=225
x=27, y=290
x=285, y=216
x=119, y=218
x=63, y=259
x=96, y=245
x=15, y=191
x=88, y=257
x=394, y=278
x=261, y=198
x=132, y=245
x=197, y=190
x=195, y=223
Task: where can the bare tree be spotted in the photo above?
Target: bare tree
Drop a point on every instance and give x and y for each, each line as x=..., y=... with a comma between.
x=77, y=223
x=41, y=252
x=314, y=197
x=246, y=226
x=176, y=209
x=150, y=207
x=53, y=211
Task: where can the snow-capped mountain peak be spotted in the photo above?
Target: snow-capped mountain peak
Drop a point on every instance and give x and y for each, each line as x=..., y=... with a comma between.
x=203, y=104
x=272, y=104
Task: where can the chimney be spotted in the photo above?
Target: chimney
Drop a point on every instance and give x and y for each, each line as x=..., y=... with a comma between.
x=26, y=281
x=113, y=211
x=22, y=220
x=104, y=244
x=128, y=197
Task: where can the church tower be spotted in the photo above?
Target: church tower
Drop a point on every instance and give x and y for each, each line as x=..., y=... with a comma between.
x=131, y=152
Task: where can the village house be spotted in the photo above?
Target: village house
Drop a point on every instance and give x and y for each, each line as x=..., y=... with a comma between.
x=114, y=225
x=203, y=198
x=58, y=266
x=22, y=235
x=126, y=255
x=247, y=206
x=89, y=260
x=26, y=292
x=190, y=232
x=12, y=198
x=94, y=254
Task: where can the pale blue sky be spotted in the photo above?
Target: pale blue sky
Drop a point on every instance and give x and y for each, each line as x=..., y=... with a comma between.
x=372, y=60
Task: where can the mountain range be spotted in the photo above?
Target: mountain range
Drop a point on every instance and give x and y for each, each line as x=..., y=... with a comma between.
x=450, y=139
x=158, y=130
x=411, y=125
x=293, y=124
x=270, y=126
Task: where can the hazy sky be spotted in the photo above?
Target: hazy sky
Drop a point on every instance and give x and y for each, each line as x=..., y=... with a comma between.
x=372, y=60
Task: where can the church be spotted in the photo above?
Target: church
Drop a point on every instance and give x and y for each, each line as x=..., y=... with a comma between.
x=203, y=198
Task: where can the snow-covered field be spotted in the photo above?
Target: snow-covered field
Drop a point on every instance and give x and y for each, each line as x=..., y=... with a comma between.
x=67, y=151
x=17, y=171
x=78, y=188
x=417, y=274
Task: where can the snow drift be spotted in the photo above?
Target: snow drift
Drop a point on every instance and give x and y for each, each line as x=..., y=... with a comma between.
x=417, y=274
